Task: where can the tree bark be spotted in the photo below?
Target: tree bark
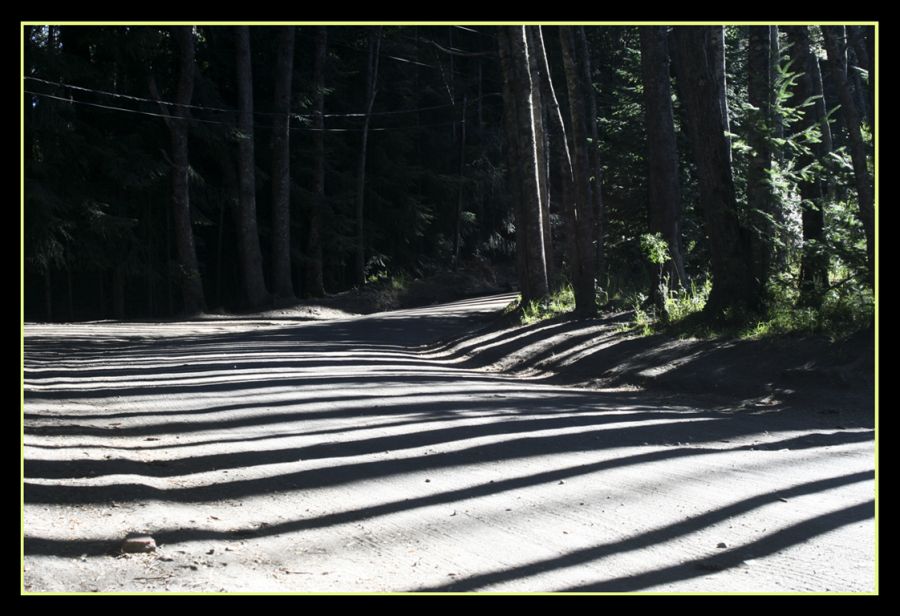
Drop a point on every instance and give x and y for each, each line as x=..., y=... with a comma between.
x=716, y=59
x=662, y=153
x=252, y=279
x=774, y=60
x=189, y=274
x=371, y=90
x=541, y=144
x=518, y=110
x=870, y=54
x=281, y=174
x=595, y=167
x=457, y=241
x=760, y=200
x=559, y=151
x=835, y=43
x=315, y=286
x=581, y=171
x=48, y=294
x=118, y=292
x=697, y=54
x=813, y=193
x=70, y=304
x=514, y=180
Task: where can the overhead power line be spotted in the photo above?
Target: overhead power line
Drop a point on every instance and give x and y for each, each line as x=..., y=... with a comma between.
x=218, y=122
x=228, y=110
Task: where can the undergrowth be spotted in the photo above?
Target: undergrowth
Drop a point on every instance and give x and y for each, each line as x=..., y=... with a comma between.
x=845, y=309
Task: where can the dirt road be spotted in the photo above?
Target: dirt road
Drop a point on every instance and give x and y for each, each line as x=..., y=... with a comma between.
x=349, y=455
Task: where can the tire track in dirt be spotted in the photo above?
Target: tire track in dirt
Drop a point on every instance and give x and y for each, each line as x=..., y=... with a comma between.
x=356, y=456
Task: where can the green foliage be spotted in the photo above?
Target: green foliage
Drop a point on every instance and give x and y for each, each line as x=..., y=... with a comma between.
x=655, y=248
x=848, y=306
x=683, y=303
x=643, y=319
x=558, y=303
x=680, y=306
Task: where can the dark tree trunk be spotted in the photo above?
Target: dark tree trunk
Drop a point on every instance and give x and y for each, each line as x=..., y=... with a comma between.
x=149, y=263
x=457, y=241
x=170, y=300
x=869, y=32
x=662, y=153
x=518, y=103
x=697, y=54
x=70, y=304
x=559, y=146
x=584, y=230
x=514, y=180
x=774, y=60
x=716, y=62
x=835, y=45
x=371, y=90
x=861, y=41
x=857, y=59
x=119, y=292
x=101, y=296
x=48, y=295
x=189, y=274
x=595, y=168
x=760, y=200
x=315, y=281
x=220, y=233
x=281, y=159
x=814, y=261
x=254, y=286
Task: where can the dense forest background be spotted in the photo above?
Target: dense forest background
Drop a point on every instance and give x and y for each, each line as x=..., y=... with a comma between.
x=174, y=170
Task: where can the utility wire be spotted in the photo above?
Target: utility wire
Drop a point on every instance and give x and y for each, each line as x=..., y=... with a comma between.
x=227, y=110
x=171, y=117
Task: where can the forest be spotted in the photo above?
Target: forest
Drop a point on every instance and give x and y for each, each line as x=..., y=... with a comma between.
x=173, y=170
x=449, y=308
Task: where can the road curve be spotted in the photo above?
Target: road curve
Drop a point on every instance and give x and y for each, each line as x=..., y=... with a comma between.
x=355, y=456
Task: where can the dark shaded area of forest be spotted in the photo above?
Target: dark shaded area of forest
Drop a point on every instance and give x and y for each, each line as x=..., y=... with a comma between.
x=175, y=170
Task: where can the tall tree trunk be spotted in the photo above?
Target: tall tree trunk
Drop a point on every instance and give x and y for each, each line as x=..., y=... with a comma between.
x=514, y=180
x=70, y=304
x=457, y=241
x=220, y=233
x=584, y=230
x=101, y=295
x=315, y=285
x=518, y=111
x=537, y=110
x=149, y=262
x=595, y=167
x=170, y=300
x=774, y=61
x=760, y=198
x=835, y=45
x=119, y=292
x=870, y=54
x=813, y=193
x=189, y=274
x=861, y=40
x=559, y=146
x=696, y=51
x=662, y=155
x=856, y=59
x=48, y=294
x=252, y=280
x=371, y=90
x=715, y=58
x=281, y=162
